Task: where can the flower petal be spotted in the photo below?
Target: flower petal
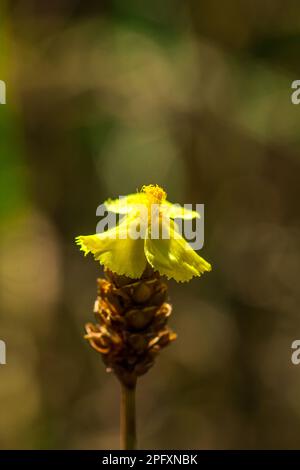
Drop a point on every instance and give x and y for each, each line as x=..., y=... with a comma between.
x=125, y=204
x=174, y=257
x=175, y=211
x=116, y=250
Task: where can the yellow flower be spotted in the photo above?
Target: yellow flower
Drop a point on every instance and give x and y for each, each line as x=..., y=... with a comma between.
x=146, y=234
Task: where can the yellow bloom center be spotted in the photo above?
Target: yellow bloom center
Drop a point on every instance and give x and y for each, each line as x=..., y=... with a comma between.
x=155, y=194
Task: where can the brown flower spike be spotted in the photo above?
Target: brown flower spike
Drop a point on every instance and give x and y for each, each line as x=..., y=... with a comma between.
x=131, y=328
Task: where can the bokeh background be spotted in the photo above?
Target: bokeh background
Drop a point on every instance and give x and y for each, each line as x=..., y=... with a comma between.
x=103, y=97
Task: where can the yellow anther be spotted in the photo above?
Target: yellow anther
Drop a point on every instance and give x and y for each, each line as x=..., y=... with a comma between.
x=156, y=193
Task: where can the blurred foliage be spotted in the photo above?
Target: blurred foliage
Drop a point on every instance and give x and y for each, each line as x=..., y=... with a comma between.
x=103, y=97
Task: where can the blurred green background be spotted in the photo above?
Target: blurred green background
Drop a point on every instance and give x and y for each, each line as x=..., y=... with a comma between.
x=103, y=97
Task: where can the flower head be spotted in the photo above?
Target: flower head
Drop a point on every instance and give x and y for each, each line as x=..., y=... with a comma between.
x=146, y=234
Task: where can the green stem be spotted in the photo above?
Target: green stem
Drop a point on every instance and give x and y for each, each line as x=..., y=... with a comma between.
x=128, y=426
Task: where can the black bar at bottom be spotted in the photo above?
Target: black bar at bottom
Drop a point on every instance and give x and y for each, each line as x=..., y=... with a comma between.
x=135, y=459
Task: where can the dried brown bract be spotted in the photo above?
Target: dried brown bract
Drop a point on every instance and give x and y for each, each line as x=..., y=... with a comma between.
x=131, y=327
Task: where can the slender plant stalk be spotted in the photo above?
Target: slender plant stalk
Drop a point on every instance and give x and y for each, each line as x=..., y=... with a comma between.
x=128, y=420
